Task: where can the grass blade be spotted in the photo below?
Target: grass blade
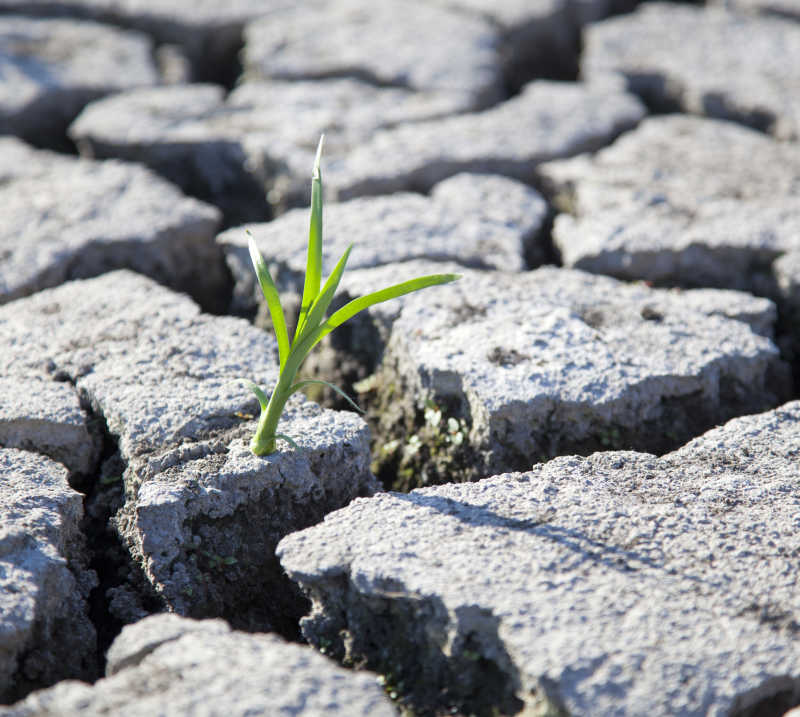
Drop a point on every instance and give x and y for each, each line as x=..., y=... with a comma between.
x=255, y=388
x=302, y=384
x=350, y=309
x=323, y=300
x=260, y=395
x=273, y=301
x=286, y=438
x=314, y=261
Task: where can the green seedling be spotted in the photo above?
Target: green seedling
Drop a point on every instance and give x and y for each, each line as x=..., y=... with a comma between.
x=312, y=325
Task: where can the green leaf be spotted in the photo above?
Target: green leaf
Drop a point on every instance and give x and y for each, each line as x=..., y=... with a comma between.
x=273, y=301
x=314, y=260
x=254, y=387
x=260, y=395
x=302, y=384
x=312, y=325
x=323, y=300
x=350, y=309
x=288, y=440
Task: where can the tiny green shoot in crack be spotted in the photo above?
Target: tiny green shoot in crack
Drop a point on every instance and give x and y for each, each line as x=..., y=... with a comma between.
x=312, y=324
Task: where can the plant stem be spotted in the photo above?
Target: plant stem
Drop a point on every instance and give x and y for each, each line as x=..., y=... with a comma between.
x=263, y=441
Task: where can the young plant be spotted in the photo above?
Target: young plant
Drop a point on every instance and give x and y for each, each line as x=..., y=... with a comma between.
x=312, y=326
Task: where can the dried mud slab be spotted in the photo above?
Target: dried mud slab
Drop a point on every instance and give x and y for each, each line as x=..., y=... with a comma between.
x=616, y=584
x=783, y=8
x=498, y=371
x=479, y=221
x=199, y=514
x=207, y=32
x=547, y=120
x=45, y=632
x=683, y=201
x=400, y=43
x=539, y=39
x=735, y=66
x=41, y=415
x=53, y=67
x=67, y=218
x=171, y=665
x=686, y=201
x=249, y=153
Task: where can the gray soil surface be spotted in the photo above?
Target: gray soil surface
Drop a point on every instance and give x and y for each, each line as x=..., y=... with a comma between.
x=573, y=489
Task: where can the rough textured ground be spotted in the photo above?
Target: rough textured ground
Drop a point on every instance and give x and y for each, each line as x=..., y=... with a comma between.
x=617, y=183
x=617, y=584
x=169, y=665
x=66, y=218
x=684, y=201
x=502, y=370
x=758, y=89
x=45, y=632
x=53, y=67
x=680, y=201
x=255, y=144
x=199, y=514
x=452, y=225
x=545, y=121
x=435, y=49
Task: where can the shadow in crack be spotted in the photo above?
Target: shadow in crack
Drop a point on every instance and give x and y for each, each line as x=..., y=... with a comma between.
x=432, y=660
x=774, y=698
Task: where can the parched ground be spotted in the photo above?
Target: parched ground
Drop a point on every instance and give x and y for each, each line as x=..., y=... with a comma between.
x=574, y=486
